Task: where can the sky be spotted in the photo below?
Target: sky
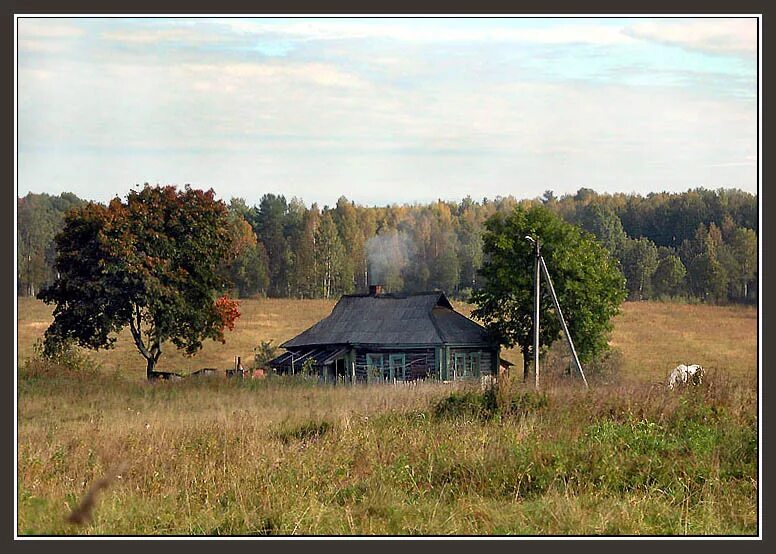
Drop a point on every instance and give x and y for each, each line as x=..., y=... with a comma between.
x=386, y=110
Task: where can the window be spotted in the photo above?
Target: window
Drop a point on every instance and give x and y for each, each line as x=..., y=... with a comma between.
x=459, y=366
x=396, y=367
x=374, y=368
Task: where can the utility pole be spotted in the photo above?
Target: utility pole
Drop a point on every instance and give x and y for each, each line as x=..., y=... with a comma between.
x=539, y=262
x=537, y=291
x=563, y=322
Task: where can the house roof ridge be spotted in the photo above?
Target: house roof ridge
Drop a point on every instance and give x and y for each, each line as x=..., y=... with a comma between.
x=391, y=319
x=393, y=295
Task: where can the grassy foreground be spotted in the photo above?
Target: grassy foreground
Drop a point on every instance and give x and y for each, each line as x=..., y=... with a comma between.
x=284, y=456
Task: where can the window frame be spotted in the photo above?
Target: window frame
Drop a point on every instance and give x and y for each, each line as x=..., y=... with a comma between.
x=370, y=365
x=403, y=357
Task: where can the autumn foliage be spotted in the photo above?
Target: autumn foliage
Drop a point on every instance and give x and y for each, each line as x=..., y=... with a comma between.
x=152, y=263
x=228, y=311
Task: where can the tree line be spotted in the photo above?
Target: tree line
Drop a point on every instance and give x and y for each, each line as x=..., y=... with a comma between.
x=699, y=244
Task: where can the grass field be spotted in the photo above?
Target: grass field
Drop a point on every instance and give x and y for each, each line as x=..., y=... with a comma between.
x=653, y=337
x=284, y=456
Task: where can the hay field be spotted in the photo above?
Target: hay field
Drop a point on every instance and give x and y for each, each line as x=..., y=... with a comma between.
x=286, y=456
x=653, y=337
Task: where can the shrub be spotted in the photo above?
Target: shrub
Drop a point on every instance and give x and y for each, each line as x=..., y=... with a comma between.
x=264, y=352
x=472, y=404
x=65, y=361
x=308, y=431
x=489, y=404
x=525, y=403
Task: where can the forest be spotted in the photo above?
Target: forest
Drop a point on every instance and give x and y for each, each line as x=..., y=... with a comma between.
x=698, y=245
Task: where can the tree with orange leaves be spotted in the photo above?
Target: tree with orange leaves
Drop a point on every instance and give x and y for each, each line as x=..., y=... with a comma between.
x=150, y=263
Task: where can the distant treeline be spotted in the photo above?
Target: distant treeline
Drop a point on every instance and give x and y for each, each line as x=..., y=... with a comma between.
x=700, y=244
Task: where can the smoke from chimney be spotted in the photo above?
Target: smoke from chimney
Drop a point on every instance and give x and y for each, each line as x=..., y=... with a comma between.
x=388, y=254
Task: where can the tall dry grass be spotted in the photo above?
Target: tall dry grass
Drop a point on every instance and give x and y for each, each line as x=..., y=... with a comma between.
x=286, y=456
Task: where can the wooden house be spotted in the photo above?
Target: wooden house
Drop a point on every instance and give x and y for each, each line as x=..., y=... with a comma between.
x=379, y=337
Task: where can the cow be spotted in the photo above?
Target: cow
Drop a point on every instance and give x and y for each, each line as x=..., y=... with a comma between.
x=683, y=374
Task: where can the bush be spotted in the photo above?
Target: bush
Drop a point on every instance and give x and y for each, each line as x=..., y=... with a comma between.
x=489, y=404
x=67, y=360
x=525, y=403
x=473, y=404
x=308, y=431
x=263, y=353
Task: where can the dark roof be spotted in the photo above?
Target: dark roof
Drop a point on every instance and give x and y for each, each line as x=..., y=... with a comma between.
x=422, y=319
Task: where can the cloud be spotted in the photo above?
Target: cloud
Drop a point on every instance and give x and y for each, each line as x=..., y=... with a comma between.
x=33, y=27
x=136, y=101
x=155, y=36
x=434, y=31
x=40, y=46
x=747, y=162
x=238, y=75
x=715, y=36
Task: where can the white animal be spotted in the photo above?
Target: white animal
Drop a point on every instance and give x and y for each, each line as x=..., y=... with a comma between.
x=683, y=374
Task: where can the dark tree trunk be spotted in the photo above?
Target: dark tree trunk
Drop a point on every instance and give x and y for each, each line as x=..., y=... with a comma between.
x=151, y=361
x=151, y=364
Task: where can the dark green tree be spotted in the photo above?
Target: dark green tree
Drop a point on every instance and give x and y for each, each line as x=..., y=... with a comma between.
x=707, y=277
x=151, y=263
x=271, y=229
x=469, y=247
x=588, y=283
x=346, y=217
x=606, y=226
x=248, y=272
x=668, y=279
x=304, y=269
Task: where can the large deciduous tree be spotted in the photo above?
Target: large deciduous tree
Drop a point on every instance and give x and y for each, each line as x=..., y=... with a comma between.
x=587, y=281
x=150, y=263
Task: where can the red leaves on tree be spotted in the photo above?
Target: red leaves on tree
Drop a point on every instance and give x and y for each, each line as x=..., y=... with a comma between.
x=228, y=311
x=154, y=261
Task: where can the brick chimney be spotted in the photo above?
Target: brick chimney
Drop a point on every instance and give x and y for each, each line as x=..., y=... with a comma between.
x=375, y=290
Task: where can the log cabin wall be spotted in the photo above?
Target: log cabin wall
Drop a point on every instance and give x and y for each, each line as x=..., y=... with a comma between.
x=420, y=363
x=468, y=362
x=478, y=361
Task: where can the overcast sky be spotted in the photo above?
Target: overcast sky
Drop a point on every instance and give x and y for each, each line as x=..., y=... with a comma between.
x=386, y=110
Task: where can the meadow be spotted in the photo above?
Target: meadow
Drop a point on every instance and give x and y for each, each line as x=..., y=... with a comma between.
x=286, y=456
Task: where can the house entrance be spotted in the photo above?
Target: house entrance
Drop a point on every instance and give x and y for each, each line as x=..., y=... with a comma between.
x=341, y=371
